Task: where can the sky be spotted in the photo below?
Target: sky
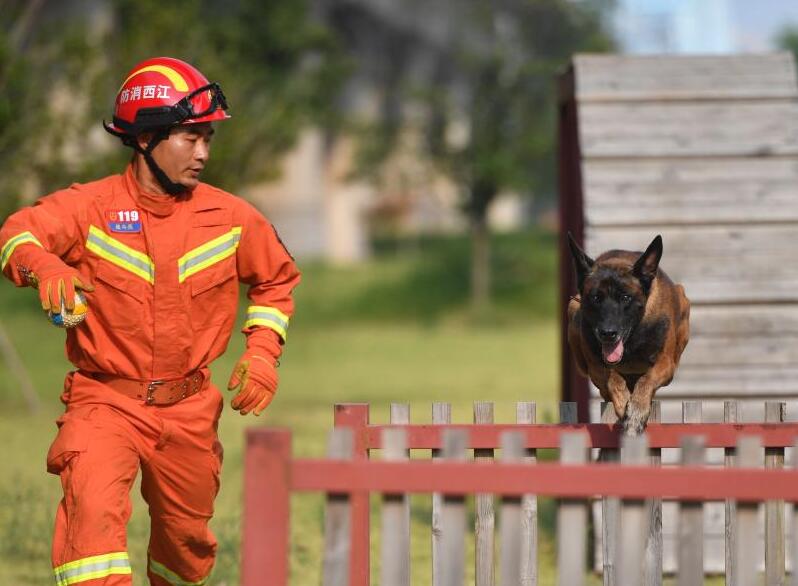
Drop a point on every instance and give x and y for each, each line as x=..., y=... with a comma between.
x=758, y=21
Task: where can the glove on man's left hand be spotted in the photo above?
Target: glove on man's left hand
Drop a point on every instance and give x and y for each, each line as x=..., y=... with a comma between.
x=256, y=379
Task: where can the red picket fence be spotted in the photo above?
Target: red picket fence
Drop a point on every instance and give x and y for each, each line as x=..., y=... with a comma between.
x=272, y=475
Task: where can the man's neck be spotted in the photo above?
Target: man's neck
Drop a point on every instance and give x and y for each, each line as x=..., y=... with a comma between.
x=145, y=178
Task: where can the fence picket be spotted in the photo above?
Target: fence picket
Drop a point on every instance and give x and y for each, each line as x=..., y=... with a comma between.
x=395, y=561
x=525, y=413
x=774, y=510
x=691, y=516
x=441, y=415
x=634, y=519
x=794, y=574
x=652, y=564
x=454, y=516
x=730, y=415
x=610, y=509
x=511, y=516
x=337, y=516
x=748, y=552
x=572, y=519
x=485, y=520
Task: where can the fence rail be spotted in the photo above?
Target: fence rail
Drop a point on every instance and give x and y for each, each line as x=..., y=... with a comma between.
x=348, y=476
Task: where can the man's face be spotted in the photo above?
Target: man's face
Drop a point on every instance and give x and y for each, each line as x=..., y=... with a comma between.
x=184, y=154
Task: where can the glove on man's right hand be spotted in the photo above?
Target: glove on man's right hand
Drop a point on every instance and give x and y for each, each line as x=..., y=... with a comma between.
x=55, y=281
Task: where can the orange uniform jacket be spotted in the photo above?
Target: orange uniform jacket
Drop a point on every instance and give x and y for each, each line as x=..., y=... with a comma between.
x=165, y=270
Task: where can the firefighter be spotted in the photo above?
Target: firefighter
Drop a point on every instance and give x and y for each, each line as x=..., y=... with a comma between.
x=158, y=256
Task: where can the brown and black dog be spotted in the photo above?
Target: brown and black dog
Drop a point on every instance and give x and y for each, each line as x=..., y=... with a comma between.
x=627, y=327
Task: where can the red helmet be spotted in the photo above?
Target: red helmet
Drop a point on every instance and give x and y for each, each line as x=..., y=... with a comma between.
x=161, y=92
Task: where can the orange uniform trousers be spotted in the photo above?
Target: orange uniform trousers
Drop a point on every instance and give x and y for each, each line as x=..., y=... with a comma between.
x=104, y=438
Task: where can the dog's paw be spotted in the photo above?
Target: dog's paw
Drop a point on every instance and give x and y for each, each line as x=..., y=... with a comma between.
x=634, y=423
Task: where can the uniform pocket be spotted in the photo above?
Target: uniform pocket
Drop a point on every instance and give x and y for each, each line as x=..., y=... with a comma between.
x=214, y=295
x=128, y=292
x=72, y=440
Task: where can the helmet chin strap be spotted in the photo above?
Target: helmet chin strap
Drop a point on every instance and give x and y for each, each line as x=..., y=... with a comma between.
x=168, y=185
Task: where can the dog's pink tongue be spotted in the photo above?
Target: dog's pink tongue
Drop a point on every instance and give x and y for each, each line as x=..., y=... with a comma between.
x=613, y=354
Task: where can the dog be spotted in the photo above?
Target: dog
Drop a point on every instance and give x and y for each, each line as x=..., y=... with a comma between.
x=627, y=327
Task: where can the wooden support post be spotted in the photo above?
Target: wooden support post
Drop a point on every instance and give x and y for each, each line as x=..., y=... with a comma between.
x=356, y=417
x=572, y=519
x=441, y=415
x=484, y=522
x=336, y=570
x=525, y=413
x=266, y=531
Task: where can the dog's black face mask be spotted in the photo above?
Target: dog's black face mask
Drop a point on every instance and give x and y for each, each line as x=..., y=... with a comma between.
x=614, y=290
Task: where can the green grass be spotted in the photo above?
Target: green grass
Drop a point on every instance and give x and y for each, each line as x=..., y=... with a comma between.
x=394, y=330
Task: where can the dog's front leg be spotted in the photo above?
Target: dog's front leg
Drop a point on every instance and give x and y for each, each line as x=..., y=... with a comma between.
x=619, y=394
x=639, y=407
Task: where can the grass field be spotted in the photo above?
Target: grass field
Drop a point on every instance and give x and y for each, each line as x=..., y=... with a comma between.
x=395, y=330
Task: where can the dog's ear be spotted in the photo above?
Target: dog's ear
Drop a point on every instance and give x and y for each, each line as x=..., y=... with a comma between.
x=646, y=266
x=582, y=262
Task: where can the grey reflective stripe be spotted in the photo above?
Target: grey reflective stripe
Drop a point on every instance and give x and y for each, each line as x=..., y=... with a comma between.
x=267, y=316
x=81, y=573
x=160, y=570
x=200, y=258
x=120, y=254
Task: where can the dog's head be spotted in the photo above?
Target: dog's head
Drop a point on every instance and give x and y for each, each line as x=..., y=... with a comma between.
x=614, y=290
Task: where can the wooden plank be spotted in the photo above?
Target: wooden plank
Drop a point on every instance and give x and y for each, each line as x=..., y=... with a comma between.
x=335, y=568
x=634, y=519
x=730, y=415
x=636, y=77
x=794, y=573
x=744, y=320
x=526, y=413
x=652, y=566
x=610, y=511
x=691, y=522
x=511, y=516
x=395, y=562
x=749, y=546
x=774, y=510
x=400, y=415
x=572, y=520
x=690, y=191
x=453, y=516
x=732, y=381
x=717, y=264
x=485, y=521
x=568, y=412
x=441, y=414
x=744, y=128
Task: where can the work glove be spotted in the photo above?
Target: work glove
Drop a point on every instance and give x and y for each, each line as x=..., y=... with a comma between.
x=256, y=379
x=56, y=281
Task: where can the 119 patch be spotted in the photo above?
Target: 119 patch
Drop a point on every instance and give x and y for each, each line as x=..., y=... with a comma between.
x=124, y=221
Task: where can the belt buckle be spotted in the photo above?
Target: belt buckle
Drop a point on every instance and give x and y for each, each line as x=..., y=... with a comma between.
x=152, y=386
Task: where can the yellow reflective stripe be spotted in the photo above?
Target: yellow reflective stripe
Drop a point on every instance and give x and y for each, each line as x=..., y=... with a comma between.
x=12, y=243
x=120, y=254
x=270, y=317
x=173, y=76
x=208, y=254
x=160, y=570
x=92, y=568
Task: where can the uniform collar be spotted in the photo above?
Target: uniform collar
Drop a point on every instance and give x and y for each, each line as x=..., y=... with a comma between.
x=155, y=203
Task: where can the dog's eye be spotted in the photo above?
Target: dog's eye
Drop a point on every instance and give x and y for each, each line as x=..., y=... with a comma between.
x=595, y=298
x=626, y=299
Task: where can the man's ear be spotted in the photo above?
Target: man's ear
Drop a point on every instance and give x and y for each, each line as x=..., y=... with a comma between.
x=144, y=139
x=583, y=264
x=645, y=267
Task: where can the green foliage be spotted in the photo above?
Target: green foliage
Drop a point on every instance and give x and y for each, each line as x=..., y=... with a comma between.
x=787, y=40
x=59, y=80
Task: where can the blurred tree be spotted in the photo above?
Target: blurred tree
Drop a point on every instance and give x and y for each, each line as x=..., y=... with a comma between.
x=787, y=39
x=485, y=78
x=60, y=69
